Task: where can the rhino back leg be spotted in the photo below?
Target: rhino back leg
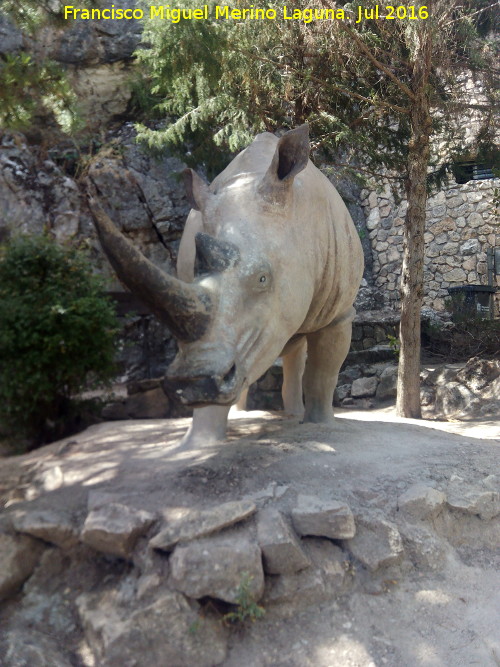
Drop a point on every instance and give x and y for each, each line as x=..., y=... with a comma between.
x=293, y=370
x=207, y=427
x=326, y=350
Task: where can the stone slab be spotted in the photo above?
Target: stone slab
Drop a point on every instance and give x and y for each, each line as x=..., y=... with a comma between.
x=323, y=518
x=193, y=524
x=280, y=547
x=114, y=529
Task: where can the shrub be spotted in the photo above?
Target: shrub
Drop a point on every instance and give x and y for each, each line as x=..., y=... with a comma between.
x=57, y=333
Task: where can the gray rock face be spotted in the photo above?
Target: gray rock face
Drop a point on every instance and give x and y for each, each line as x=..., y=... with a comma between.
x=53, y=527
x=198, y=523
x=10, y=37
x=115, y=529
x=218, y=567
x=19, y=556
x=98, y=41
x=28, y=648
x=35, y=196
x=319, y=518
x=280, y=547
x=169, y=631
x=421, y=502
x=377, y=543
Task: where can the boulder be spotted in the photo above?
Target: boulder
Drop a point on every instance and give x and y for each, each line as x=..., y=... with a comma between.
x=114, y=529
x=193, y=523
x=218, y=567
x=280, y=547
x=478, y=373
x=364, y=387
x=323, y=518
x=387, y=387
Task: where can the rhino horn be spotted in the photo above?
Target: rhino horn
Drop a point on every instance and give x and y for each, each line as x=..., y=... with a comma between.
x=185, y=308
x=214, y=255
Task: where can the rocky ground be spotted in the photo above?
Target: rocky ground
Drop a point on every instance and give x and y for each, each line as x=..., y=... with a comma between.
x=373, y=542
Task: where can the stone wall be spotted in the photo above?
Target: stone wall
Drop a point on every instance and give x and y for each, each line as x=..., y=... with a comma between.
x=461, y=224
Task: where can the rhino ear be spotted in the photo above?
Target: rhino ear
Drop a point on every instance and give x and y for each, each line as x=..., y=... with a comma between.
x=292, y=153
x=196, y=189
x=290, y=158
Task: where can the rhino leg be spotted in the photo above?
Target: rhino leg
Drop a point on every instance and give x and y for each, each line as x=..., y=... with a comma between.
x=326, y=351
x=208, y=426
x=293, y=370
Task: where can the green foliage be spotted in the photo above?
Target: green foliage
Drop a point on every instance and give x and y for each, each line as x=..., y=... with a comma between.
x=30, y=89
x=57, y=335
x=247, y=609
x=218, y=82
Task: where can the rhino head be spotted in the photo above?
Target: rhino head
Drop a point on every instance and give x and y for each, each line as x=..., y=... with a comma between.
x=234, y=319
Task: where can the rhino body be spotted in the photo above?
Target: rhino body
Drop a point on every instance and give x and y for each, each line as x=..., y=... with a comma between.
x=270, y=262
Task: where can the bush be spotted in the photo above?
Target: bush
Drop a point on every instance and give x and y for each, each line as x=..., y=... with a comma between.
x=57, y=334
x=461, y=340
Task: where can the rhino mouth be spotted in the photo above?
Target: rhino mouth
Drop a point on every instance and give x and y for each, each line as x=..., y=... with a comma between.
x=204, y=389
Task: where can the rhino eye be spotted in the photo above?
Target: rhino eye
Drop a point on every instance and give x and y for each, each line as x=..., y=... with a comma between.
x=263, y=279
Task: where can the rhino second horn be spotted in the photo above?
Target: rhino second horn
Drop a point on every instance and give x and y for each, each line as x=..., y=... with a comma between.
x=185, y=308
x=214, y=255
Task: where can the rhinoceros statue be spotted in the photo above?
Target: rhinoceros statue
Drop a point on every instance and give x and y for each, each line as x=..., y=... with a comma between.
x=270, y=262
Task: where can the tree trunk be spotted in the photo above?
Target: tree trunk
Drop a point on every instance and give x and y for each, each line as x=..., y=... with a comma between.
x=408, y=387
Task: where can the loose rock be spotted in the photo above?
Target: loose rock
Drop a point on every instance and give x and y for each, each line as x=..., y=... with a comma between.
x=424, y=549
x=115, y=529
x=377, y=543
x=421, y=502
x=48, y=525
x=473, y=500
x=281, y=549
x=364, y=387
x=320, y=518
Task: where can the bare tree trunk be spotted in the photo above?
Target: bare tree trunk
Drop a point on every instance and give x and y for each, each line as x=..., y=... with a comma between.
x=408, y=387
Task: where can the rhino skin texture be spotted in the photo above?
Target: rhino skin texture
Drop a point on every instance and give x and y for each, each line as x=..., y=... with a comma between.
x=273, y=257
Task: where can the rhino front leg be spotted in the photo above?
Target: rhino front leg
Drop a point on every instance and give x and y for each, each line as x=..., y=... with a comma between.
x=293, y=370
x=326, y=351
x=208, y=426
